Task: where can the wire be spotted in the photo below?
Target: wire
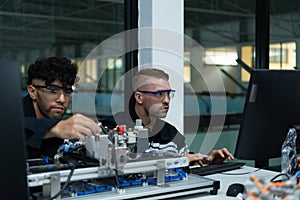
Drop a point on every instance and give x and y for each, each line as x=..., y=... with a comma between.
x=80, y=157
x=297, y=174
x=258, y=184
x=66, y=183
x=252, y=195
x=90, y=188
x=265, y=190
x=278, y=175
x=274, y=184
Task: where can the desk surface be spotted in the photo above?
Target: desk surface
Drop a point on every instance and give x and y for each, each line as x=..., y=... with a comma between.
x=234, y=176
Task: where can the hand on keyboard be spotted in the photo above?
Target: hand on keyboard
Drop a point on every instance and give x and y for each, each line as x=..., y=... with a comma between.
x=218, y=156
x=216, y=168
x=196, y=159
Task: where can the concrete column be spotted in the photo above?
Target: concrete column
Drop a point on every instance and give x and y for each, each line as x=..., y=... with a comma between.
x=161, y=46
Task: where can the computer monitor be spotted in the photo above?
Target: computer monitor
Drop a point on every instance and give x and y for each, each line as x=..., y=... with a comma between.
x=272, y=106
x=12, y=145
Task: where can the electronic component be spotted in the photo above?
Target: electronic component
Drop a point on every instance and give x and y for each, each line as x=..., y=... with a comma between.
x=259, y=189
x=117, y=155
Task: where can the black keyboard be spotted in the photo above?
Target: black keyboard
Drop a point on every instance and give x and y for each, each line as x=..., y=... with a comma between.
x=216, y=168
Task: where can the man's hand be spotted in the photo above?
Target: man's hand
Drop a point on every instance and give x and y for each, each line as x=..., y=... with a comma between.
x=76, y=127
x=197, y=158
x=218, y=156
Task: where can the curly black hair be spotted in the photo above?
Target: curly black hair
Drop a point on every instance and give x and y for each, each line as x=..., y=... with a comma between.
x=50, y=69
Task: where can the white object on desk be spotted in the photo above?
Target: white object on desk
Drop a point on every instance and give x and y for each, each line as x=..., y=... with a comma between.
x=235, y=176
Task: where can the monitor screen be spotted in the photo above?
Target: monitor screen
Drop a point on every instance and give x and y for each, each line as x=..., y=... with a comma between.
x=12, y=144
x=272, y=106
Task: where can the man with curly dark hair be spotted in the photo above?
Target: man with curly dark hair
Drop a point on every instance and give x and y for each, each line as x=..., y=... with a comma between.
x=50, y=85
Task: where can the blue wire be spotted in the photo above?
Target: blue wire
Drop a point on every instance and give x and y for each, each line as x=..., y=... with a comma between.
x=66, y=149
x=296, y=174
x=47, y=162
x=125, y=183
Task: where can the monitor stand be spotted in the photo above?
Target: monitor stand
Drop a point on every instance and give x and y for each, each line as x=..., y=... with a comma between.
x=262, y=164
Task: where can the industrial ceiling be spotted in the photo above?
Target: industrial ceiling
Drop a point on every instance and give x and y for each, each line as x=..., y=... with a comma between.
x=36, y=25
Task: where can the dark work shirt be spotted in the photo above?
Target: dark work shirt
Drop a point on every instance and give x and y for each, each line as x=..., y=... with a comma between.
x=35, y=130
x=162, y=137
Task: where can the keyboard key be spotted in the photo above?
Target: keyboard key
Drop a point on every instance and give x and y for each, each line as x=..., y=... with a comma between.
x=216, y=168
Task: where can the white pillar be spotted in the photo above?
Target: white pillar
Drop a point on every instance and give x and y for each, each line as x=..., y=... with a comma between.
x=161, y=39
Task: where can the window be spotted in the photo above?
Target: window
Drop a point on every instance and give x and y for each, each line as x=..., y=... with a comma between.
x=282, y=55
x=220, y=56
x=187, y=68
x=33, y=29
